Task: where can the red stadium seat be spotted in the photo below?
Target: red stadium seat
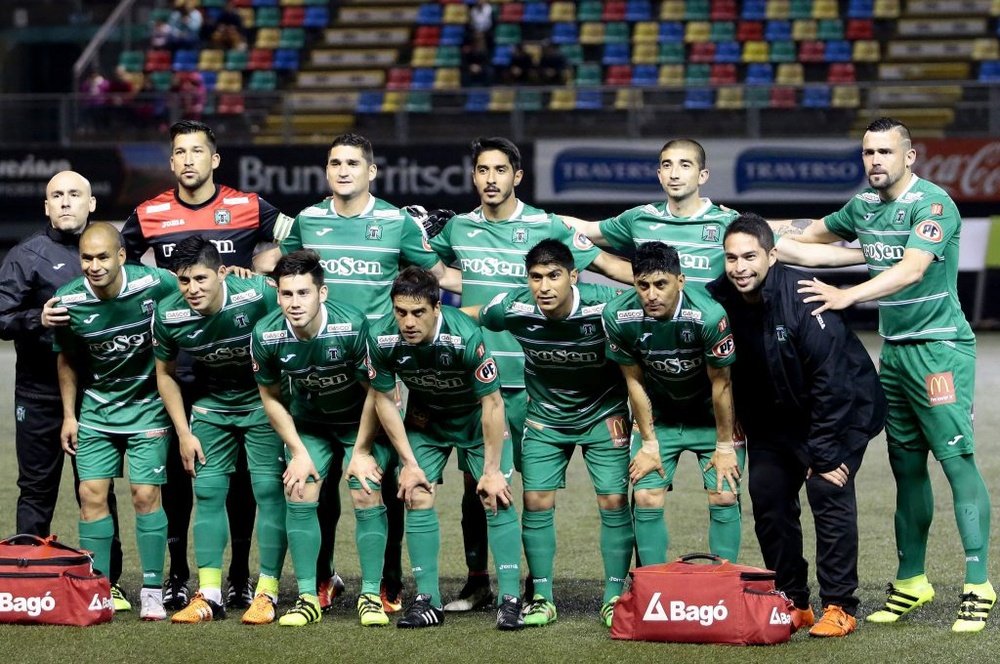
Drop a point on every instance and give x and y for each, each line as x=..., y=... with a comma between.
x=783, y=97
x=750, y=31
x=511, y=12
x=261, y=58
x=293, y=17
x=723, y=10
x=859, y=28
x=841, y=72
x=614, y=10
x=702, y=52
x=812, y=51
x=723, y=74
x=158, y=60
x=618, y=75
x=399, y=78
x=427, y=35
x=231, y=104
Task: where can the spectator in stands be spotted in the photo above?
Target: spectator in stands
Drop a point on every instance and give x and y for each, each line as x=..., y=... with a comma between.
x=481, y=19
x=191, y=93
x=553, y=69
x=160, y=33
x=185, y=25
x=477, y=71
x=121, y=95
x=522, y=70
x=93, y=97
x=228, y=31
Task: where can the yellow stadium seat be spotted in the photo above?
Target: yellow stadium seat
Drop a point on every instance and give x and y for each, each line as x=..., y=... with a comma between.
x=886, y=9
x=563, y=99
x=672, y=10
x=866, y=50
x=789, y=73
x=423, y=56
x=645, y=54
x=671, y=75
x=501, y=99
x=729, y=98
x=447, y=78
x=229, y=81
x=985, y=49
x=646, y=32
x=211, y=59
x=825, y=9
x=394, y=101
x=777, y=9
x=803, y=30
x=845, y=96
x=592, y=33
x=627, y=98
x=697, y=31
x=562, y=12
x=268, y=38
x=995, y=8
x=248, y=16
x=756, y=51
x=456, y=13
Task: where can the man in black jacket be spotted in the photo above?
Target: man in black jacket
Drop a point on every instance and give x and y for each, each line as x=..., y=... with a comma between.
x=30, y=274
x=809, y=400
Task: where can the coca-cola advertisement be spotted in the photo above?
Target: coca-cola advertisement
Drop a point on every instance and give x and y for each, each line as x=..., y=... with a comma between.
x=968, y=168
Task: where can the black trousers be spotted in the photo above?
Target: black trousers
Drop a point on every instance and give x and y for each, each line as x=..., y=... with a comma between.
x=776, y=479
x=37, y=425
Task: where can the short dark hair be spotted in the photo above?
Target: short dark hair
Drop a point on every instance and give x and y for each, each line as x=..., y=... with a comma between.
x=549, y=252
x=754, y=225
x=416, y=283
x=888, y=124
x=195, y=250
x=653, y=257
x=193, y=127
x=504, y=145
x=687, y=143
x=353, y=140
x=303, y=261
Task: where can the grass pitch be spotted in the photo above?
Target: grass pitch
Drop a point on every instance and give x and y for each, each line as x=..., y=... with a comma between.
x=578, y=635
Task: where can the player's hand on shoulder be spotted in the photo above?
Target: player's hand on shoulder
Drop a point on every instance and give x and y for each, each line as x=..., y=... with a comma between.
x=241, y=272
x=54, y=316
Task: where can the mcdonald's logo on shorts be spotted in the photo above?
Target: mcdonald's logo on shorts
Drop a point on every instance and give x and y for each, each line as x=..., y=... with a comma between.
x=940, y=388
x=619, y=430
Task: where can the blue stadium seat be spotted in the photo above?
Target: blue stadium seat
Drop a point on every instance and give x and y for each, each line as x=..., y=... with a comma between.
x=816, y=96
x=209, y=77
x=589, y=100
x=728, y=52
x=264, y=3
x=671, y=31
x=502, y=54
x=477, y=101
x=838, y=50
x=754, y=10
x=616, y=54
x=452, y=34
x=185, y=60
x=423, y=78
x=316, y=17
x=989, y=71
x=760, y=73
x=861, y=9
x=645, y=75
x=286, y=59
x=638, y=10
x=699, y=98
x=431, y=13
x=536, y=12
x=565, y=33
x=370, y=101
x=778, y=31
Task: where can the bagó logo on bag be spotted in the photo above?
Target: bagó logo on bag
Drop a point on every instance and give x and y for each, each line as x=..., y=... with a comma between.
x=779, y=617
x=99, y=603
x=33, y=606
x=705, y=615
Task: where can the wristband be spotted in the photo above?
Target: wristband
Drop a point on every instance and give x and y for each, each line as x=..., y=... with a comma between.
x=725, y=447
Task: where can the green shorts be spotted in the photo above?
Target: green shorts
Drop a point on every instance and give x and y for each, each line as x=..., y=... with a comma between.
x=546, y=453
x=515, y=406
x=677, y=438
x=930, y=387
x=221, y=434
x=432, y=453
x=329, y=444
x=100, y=455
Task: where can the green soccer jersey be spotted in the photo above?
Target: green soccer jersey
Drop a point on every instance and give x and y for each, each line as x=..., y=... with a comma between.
x=570, y=382
x=327, y=375
x=447, y=376
x=922, y=217
x=491, y=254
x=672, y=353
x=698, y=238
x=219, y=344
x=361, y=255
x=111, y=346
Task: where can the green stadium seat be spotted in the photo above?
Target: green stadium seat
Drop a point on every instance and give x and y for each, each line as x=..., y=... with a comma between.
x=263, y=81
x=696, y=10
x=616, y=33
x=508, y=33
x=800, y=9
x=757, y=96
x=588, y=73
x=723, y=31
x=672, y=52
x=161, y=80
x=783, y=51
x=419, y=102
x=132, y=61
x=268, y=17
x=448, y=56
x=573, y=53
x=292, y=38
x=830, y=29
x=697, y=74
x=590, y=10
x=236, y=60
x=529, y=99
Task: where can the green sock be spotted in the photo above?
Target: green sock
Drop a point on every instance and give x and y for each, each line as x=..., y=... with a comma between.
x=151, y=539
x=538, y=532
x=914, y=509
x=423, y=541
x=95, y=536
x=303, y=543
x=504, y=534
x=651, y=535
x=370, y=534
x=972, y=512
x=724, y=530
x=617, y=543
x=211, y=525
x=272, y=541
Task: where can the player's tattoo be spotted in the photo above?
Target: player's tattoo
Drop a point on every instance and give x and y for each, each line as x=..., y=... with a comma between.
x=793, y=227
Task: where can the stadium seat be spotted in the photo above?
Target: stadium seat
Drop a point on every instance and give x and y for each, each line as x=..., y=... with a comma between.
x=754, y=10
x=838, y=51
x=562, y=99
x=185, y=60
x=644, y=75
x=985, y=49
x=777, y=9
x=616, y=54
x=756, y=51
x=161, y=80
x=422, y=79
x=816, y=96
x=729, y=98
x=722, y=31
x=249, y=17
x=264, y=3
x=588, y=100
x=779, y=30
x=723, y=10
x=588, y=73
x=616, y=33
x=562, y=12
x=702, y=52
x=841, y=72
x=845, y=96
x=260, y=58
x=452, y=35
x=158, y=60
x=618, y=75
x=749, y=31
x=293, y=17
x=614, y=10
x=866, y=50
x=534, y=12
x=783, y=51
x=759, y=73
x=448, y=56
x=864, y=9
x=131, y=61
x=565, y=33
x=502, y=55
x=423, y=56
x=859, y=28
x=727, y=52
x=512, y=12
x=507, y=33
x=395, y=101
x=292, y=38
x=782, y=97
x=989, y=71
x=671, y=31
x=501, y=99
x=800, y=9
x=418, y=102
x=826, y=9
x=804, y=30
x=638, y=10
x=528, y=99
x=210, y=78
x=645, y=54
x=672, y=10
x=399, y=78
x=722, y=74
x=645, y=32
x=592, y=34
x=427, y=35
x=286, y=59
x=671, y=52
x=369, y=101
x=886, y=9
x=627, y=99
x=316, y=18
x=229, y=81
x=573, y=54
x=458, y=14
x=477, y=101
x=671, y=75
x=697, y=74
x=263, y=81
x=812, y=51
x=830, y=29
x=236, y=60
x=430, y=13
x=211, y=59
x=699, y=98
x=267, y=17
x=267, y=38
x=757, y=97
x=697, y=31
x=696, y=10
x=231, y=104
x=590, y=10
x=790, y=73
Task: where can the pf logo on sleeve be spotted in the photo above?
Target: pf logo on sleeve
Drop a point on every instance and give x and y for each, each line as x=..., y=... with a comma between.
x=940, y=388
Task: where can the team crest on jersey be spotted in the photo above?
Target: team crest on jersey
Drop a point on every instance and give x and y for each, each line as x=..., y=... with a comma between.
x=487, y=371
x=223, y=217
x=588, y=328
x=937, y=209
x=241, y=320
x=333, y=354
x=687, y=335
x=445, y=359
x=930, y=231
x=710, y=233
x=147, y=307
x=900, y=217
x=724, y=348
x=373, y=232
x=519, y=236
x=275, y=335
x=781, y=333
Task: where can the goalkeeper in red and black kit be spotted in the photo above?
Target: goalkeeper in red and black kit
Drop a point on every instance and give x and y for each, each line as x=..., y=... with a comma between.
x=236, y=222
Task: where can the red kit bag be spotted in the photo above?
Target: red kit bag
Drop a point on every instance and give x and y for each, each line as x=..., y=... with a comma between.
x=45, y=582
x=685, y=602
